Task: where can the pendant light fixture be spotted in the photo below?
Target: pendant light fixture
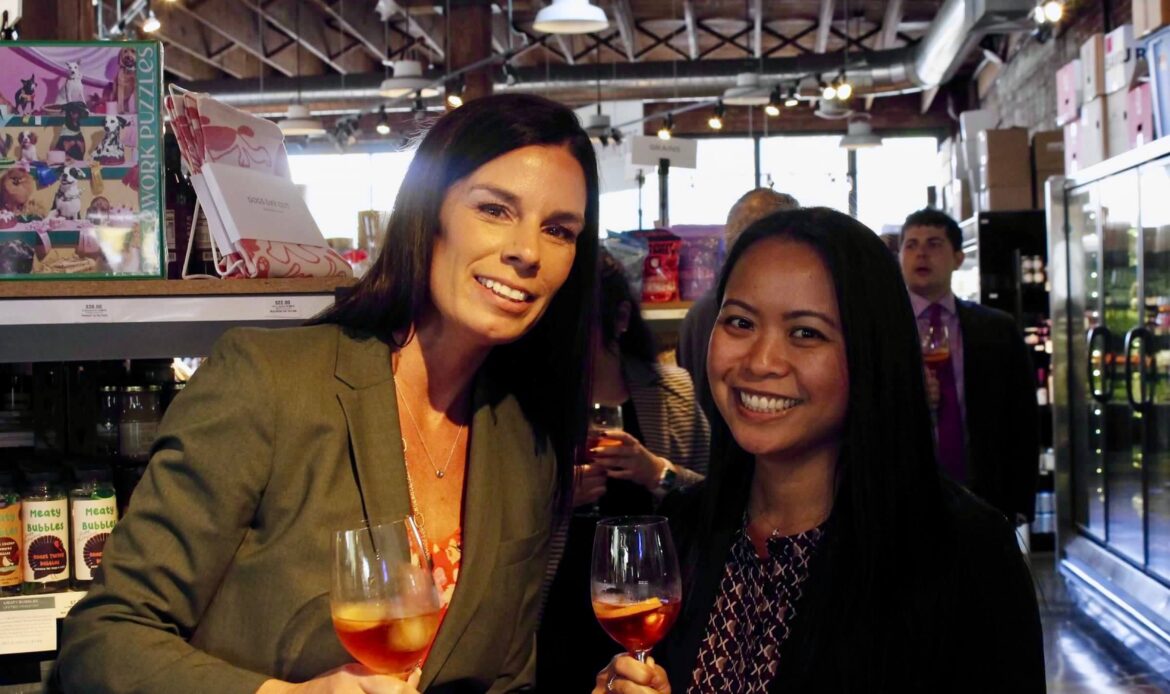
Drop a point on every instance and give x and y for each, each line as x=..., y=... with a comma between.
x=667, y=130
x=715, y=122
x=773, y=107
x=860, y=134
x=408, y=77
x=151, y=24
x=570, y=17
x=300, y=122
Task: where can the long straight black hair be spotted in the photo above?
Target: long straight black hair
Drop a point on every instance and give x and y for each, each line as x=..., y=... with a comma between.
x=888, y=492
x=548, y=368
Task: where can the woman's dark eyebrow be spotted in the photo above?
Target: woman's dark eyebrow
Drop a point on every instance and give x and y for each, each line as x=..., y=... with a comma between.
x=806, y=313
x=560, y=217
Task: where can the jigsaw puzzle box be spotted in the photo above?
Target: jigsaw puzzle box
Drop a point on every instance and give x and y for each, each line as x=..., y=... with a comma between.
x=81, y=172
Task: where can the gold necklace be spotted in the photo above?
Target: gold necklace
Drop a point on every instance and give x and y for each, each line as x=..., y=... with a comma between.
x=416, y=510
x=439, y=473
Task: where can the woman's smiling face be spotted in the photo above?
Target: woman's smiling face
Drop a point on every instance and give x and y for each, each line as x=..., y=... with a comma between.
x=507, y=243
x=777, y=364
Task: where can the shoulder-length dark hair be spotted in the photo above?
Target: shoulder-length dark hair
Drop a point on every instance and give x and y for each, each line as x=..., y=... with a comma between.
x=888, y=495
x=637, y=341
x=547, y=369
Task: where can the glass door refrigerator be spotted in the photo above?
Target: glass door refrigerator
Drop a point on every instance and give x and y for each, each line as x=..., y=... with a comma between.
x=1110, y=247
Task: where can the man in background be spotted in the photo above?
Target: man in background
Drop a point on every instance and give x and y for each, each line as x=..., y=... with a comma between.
x=696, y=327
x=984, y=399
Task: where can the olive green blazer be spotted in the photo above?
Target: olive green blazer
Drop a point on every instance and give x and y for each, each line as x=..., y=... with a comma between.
x=218, y=577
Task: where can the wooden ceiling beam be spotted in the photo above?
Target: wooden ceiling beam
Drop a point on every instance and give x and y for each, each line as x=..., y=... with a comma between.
x=623, y=16
x=312, y=32
x=237, y=23
x=415, y=29
x=692, y=35
x=188, y=41
x=360, y=24
x=824, y=24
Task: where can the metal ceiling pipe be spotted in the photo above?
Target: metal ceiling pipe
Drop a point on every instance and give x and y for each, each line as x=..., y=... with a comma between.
x=958, y=26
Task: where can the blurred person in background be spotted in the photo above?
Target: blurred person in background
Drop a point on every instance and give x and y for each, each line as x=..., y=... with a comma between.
x=663, y=447
x=696, y=326
x=987, y=421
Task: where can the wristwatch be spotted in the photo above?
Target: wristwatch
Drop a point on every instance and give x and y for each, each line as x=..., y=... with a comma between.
x=669, y=479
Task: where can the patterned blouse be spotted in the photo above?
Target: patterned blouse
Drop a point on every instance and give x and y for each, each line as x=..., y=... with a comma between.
x=740, y=652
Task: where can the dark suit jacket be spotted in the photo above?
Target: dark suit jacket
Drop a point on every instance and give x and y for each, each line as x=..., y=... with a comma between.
x=1003, y=421
x=218, y=577
x=971, y=623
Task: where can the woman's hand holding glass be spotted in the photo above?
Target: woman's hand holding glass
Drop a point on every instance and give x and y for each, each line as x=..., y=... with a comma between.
x=625, y=458
x=635, y=581
x=385, y=605
x=347, y=679
x=626, y=675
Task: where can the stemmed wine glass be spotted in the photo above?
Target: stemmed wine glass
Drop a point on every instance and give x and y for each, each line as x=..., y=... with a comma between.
x=384, y=602
x=636, y=588
x=936, y=344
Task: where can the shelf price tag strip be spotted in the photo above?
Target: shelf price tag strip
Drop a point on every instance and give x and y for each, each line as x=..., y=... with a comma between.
x=182, y=309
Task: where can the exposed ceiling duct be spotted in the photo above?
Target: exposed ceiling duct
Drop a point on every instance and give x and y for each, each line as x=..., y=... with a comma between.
x=956, y=29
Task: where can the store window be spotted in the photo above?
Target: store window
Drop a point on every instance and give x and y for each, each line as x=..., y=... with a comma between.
x=338, y=186
x=813, y=169
x=697, y=196
x=892, y=179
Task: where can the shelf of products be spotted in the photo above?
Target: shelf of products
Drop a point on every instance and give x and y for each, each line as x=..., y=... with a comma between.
x=95, y=320
x=668, y=311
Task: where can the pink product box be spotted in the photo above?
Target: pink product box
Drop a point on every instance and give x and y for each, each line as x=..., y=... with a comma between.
x=1068, y=92
x=699, y=258
x=1140, y=126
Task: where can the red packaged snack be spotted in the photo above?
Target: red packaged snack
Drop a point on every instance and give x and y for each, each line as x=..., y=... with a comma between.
x=660, y=269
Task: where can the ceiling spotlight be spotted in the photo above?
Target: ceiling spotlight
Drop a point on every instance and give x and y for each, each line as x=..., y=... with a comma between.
x=383, y=126
x=151, y=24
x=1053, y=11
x=570, y=17
x=844, y=89
x=773, y=107
x=791, y=100
x=666, y=131
x=828, y=91
x=715, y=122
x=455, y=93
x=617, y=136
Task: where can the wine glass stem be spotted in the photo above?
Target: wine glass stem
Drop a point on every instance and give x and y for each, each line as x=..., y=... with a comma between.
x=640, y=656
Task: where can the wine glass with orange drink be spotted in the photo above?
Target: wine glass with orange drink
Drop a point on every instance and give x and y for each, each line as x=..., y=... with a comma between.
x=636, y=587
x=384, y=602
x=936, y=344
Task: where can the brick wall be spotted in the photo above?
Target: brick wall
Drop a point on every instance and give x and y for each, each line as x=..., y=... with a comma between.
x=1024, y=93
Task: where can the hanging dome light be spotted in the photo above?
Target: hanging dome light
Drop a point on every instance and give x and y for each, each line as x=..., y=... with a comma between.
x=844, y=89
x=383, y=126
x=570, y=17
x=791, y=100
x=151, y=25
x=860, y=135
x=408, y=77
x=300, y=123
x=828, y=91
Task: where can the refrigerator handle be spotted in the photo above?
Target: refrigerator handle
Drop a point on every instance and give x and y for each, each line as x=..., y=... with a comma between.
x=1136, y=337
x=1149, y=373
x=1096, y=377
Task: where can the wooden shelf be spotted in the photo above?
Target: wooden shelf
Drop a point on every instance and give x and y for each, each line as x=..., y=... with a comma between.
x=670, y=311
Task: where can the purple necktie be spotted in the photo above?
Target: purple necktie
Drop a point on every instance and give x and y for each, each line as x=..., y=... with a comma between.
x=949, y=420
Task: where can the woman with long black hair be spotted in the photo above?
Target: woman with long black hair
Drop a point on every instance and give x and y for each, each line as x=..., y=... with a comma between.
x=450, y=384
x=826, y=553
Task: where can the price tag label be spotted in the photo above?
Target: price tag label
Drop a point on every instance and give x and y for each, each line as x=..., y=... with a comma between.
x=28, y=625
x=94, y=311
x=65, y=602
x=284, y=307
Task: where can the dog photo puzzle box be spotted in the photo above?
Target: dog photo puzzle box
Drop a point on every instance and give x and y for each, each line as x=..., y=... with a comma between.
x=81, y=175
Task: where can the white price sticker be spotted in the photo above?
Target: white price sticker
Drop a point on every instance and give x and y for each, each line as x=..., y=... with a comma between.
x=284, y=306
x=94, y=311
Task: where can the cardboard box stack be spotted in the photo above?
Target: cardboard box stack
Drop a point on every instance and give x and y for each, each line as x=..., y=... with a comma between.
x=1005, y=170
x=954, y=196
x=1091, y=146
x=1149, y=15
x=1047, y=161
